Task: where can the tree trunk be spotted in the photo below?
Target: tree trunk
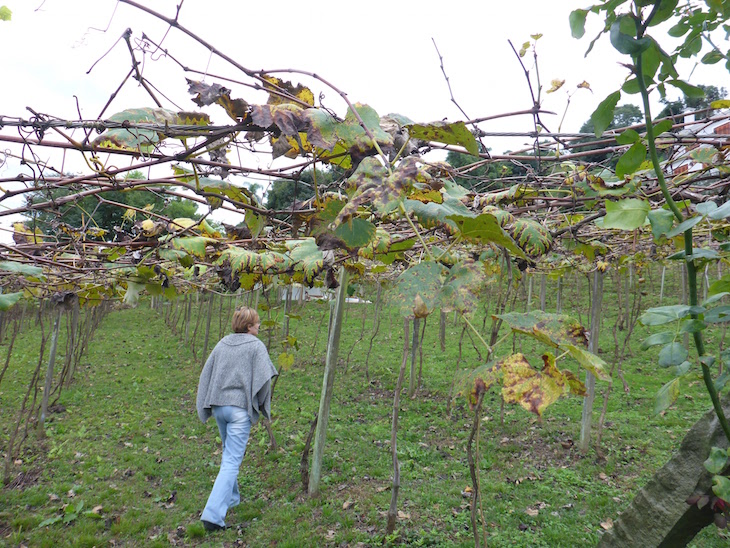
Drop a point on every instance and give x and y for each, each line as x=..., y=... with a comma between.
x=333, y=347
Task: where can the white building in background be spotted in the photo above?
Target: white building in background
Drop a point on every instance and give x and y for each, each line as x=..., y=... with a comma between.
x=696, y=134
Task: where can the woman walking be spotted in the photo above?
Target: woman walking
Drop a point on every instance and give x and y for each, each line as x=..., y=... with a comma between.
x=235, y=389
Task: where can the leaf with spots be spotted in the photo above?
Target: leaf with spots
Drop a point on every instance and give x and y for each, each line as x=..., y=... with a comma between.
x=282, y=91
x=485, y=228
x=378, y=245
x=533, y=238
x=477, y=382
x=193, y=245
x=307, y=258
x=377, y=188
x=353, y=136
x=355, y=232
x=559, y=331
x=133, y=138
x=464, y=282
x=207, y=94
x=532, y=389
x=432, y=214
x=416, y=291
x=455, y=133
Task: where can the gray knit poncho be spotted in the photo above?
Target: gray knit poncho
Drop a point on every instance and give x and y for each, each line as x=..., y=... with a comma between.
x=238, y=372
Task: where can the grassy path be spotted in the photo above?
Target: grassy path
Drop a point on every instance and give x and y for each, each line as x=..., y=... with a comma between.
x=128, y=445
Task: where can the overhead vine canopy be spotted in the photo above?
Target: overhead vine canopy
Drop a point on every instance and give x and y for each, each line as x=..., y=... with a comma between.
x=387, y=204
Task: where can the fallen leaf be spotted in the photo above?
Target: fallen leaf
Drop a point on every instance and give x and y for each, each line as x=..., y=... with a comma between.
x=532, y=512
x=96, y=509
x=330, y=535
x=608, y=524
x=52, y=497
x=403, y=515
x=349, y=503
x=603, y=476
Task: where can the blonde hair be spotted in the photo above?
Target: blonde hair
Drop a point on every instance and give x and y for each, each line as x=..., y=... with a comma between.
x=243, y=319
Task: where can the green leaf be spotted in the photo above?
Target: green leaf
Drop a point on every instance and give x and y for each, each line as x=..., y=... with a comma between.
x=623, y=40
x=721, y=487
x=672, y=354
x=356, y=232
x=5, y=15
x=685, y=225
x=603, y=115
x=665, y=314
x=721, y=212
x=657, y=338
x=485, y=229
x=455, y=133
x=22, y=268
x=661, y=221
x=705, y=208
x=285, y=361
x=628, y=137
x=714, y=297
x=689, y=325
x=712, y=57
x=680, y=29
x=722, y=103
x=631, y=160
x=666, y=396
x=627, y=214
x=131, y=296
x=578, y=23
x=8, y=300
x=689, y=90
x=663, y=127
x=720, y=314
x=665, y=11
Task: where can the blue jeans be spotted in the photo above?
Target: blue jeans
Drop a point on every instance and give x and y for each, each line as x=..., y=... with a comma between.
x=234, y=426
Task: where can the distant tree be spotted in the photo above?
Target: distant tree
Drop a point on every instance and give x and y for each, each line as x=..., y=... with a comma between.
x=90, y=211
x=487, y=176
x=284, y=192
x=623, y=116
x=688, y=104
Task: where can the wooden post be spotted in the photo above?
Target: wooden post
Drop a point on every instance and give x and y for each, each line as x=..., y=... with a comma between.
x=333, y=348
x=585, y=423
x=559, y=304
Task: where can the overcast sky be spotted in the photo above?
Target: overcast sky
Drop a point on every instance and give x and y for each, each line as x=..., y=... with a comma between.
x=380, y=53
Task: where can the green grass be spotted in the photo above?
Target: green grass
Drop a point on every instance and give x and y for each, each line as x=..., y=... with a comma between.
x=129, y=441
